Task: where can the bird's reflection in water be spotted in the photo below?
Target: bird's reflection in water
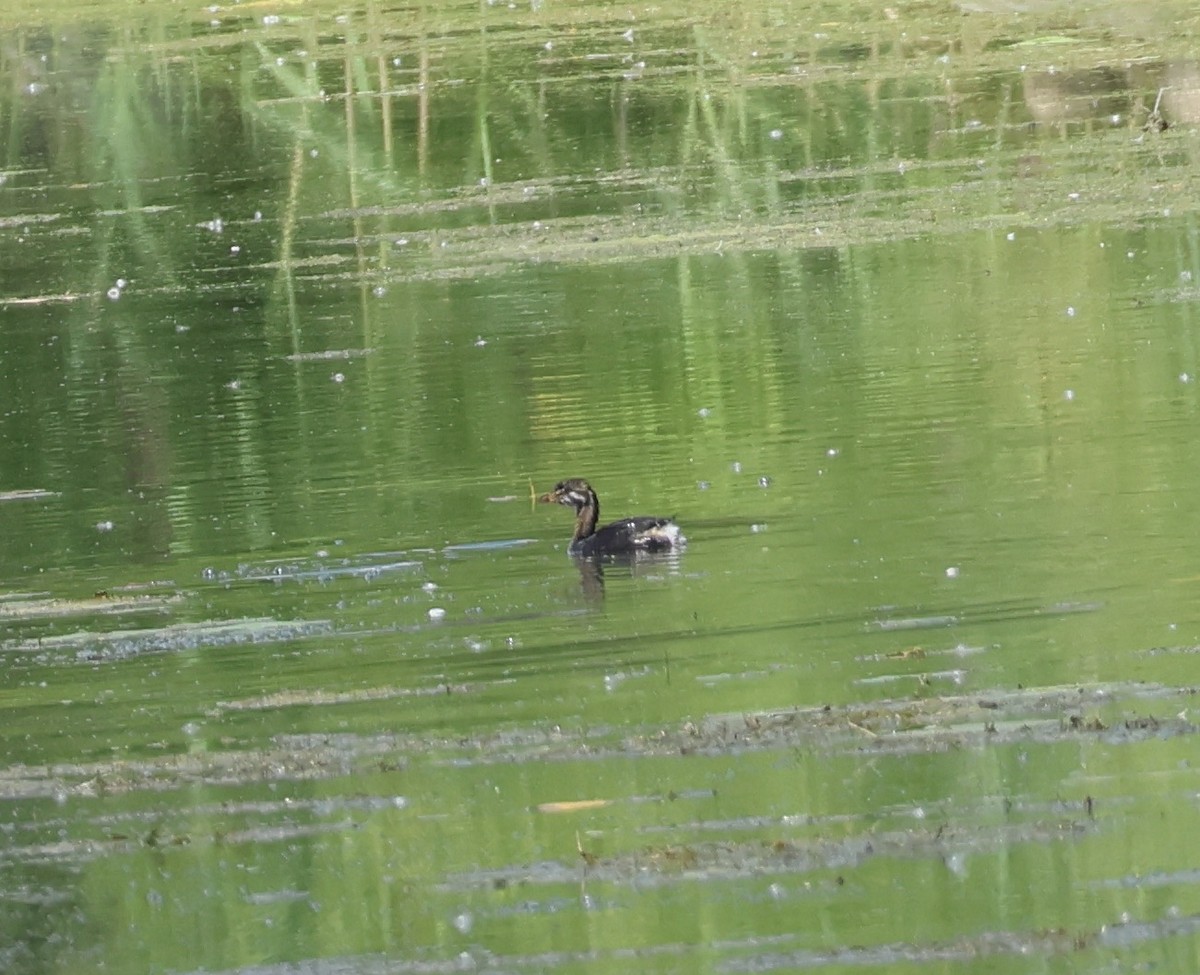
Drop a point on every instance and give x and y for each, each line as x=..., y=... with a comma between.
x=592, y=571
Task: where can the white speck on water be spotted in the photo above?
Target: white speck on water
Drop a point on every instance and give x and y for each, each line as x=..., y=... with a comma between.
x=1070, y=311
x=104, y=526
x=1012, y=235
x=704, y=413
x=216, y=225
x=757, y=528
x=484, y=182
x=397, y=61
x=776, y=134
x=208, y=573
x=703, y=485
x=429, y=586
x=1129, y=255
x=1185, y=275
x=1069, y=395
x=549, y=45
x=1073, y=197
x=736, y=467
x=1115, y=118
x=1185, y=377
x=480, y=342
x=628, y=35
x=234, y=384
x=832, y=452
x=379, y=291
x=401, y=241
x=280, y=62
x=313, y=153
x=437, y=613
x=270, y=20
x=121, y=282
x=764, y=482
x=957, y=864
x=338, y=377
x=257, y=216
x=235, y=249
x=399, y=802
x=114, y=294
x=777, y=891
x=952, y=572
x=463, y=923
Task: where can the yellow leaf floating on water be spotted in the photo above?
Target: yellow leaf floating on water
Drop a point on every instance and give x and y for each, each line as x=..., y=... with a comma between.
x=573, y=806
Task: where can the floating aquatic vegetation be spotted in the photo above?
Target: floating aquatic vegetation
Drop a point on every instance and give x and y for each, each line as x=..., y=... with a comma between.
x=89, y=646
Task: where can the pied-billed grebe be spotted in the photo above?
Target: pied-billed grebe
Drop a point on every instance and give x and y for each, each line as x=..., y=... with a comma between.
x=624, y=537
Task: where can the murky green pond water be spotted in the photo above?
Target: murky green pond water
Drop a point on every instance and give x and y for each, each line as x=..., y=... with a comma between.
x=895, y=308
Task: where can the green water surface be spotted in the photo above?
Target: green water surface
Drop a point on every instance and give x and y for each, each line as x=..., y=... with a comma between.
x=893, y=307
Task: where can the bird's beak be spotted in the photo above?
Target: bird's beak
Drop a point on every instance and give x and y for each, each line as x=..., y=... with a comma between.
x=547, y=498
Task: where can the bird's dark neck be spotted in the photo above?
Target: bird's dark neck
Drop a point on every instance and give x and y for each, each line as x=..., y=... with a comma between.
x=586, y=516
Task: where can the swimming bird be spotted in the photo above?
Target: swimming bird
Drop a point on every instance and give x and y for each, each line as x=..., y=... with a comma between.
x=628, y=536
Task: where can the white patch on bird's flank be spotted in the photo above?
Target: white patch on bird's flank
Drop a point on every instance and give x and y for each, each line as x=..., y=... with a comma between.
x=668, y=534
x=671, y=530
